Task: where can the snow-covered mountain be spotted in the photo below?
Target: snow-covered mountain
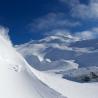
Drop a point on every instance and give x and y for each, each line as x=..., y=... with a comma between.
x=37, y=76
x=61, y=53
x=84, y=53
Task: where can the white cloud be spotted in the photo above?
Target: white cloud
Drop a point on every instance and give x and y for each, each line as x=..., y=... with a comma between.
x=84, y=11
x=52, y=21
x=57, y=22
x=86, y=35
x=95, y=30
x=78, y=36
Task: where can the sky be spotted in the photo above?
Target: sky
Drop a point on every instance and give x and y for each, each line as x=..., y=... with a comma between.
x=27, y=20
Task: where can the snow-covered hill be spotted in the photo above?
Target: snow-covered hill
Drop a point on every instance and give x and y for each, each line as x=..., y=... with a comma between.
x=16, y=81
x=22, y=78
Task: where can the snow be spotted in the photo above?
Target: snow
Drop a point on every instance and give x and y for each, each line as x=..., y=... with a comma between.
x=88, y=74
x=84, y=53
x=33, y=77
x=15, y=78
x=68, y=88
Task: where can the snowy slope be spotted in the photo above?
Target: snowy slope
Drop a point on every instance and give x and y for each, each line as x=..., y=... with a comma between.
x=16, y=81
x=68, y=88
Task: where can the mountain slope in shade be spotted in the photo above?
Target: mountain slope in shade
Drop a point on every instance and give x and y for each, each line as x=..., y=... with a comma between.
x=68, y=88
x=84, y=53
